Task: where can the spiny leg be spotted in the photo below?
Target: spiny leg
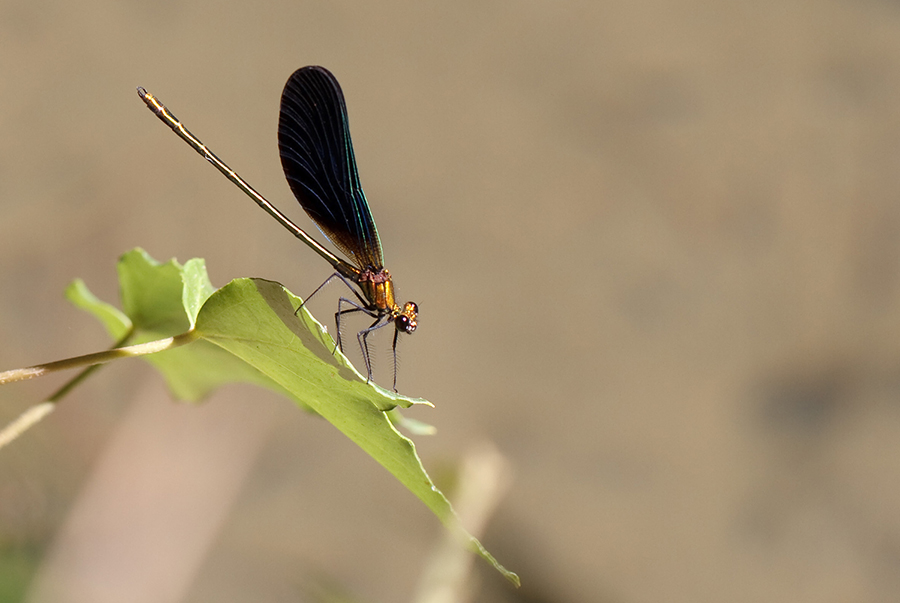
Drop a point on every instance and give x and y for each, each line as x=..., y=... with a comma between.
x=337, y=317
x=328, y=280
x=363, y=336
x=357, y=307
x=394, y=350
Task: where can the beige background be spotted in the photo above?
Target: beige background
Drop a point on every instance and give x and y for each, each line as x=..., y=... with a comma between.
x=655, y=247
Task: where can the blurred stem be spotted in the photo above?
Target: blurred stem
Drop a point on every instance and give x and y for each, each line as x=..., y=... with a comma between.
x=484, y=478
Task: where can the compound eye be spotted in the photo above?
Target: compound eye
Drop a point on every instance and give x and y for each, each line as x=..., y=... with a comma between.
x=405, y=323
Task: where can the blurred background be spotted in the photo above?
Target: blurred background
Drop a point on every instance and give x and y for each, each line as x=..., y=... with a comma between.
x=656, y=251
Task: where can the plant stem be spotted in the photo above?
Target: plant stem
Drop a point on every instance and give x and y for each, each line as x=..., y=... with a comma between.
x=141, y=349
x=91, y=362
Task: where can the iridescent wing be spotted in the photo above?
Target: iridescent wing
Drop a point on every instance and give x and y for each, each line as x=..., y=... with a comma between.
x=318, y=161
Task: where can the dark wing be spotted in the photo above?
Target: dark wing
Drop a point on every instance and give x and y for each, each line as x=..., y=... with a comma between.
x=317, y=156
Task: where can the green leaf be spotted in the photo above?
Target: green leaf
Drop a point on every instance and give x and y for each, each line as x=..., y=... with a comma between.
x=197, y=288
x=250, y=331
x=115, y=321
x=163, y=300
x=254, y=320
x=152, y=295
